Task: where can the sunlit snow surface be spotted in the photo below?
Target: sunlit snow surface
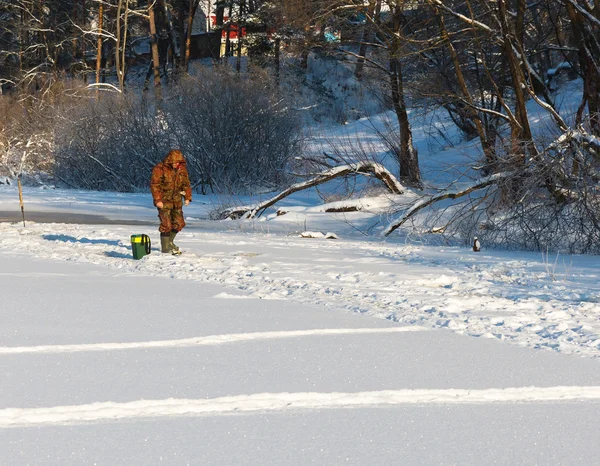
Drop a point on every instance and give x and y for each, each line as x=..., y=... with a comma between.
x=259, y=346
x=529, y=299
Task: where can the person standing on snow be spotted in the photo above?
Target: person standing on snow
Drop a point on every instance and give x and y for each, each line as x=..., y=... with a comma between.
x=169, y=184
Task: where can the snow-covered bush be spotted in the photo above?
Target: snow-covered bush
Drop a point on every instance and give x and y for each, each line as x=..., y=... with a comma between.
x=236, y=134
x=109, y=144
x=26, y=138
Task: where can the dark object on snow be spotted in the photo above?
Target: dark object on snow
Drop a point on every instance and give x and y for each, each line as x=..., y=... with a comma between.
x=476, y=245
x=348, y=208
x=140, y=245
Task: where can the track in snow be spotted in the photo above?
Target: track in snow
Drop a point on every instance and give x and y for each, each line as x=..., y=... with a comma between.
x=210, y=340
x=270, y=402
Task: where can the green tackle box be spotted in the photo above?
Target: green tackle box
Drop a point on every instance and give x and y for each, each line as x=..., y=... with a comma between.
x=140, y=245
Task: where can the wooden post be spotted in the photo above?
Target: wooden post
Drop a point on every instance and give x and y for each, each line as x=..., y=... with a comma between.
x=21, y=199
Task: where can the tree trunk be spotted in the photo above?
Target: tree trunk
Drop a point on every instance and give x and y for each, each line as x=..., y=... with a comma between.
x=422, y=204
x=365, y=168
x=488, y=149
x=240, y=24
x=238, y=62
x=589, y=70
x=125, y=31
x=407, y=156
x=22, y=41
x=121, y=43
x=74, y=39
x=155, y=56
x=228, y=36
x=219, y=13
x=118, y=46
x=305, y=50
x=171, y=33
x=188, y=39
x=83, y=44
x=277, y=60
x=99, y=47
x=367, y=36
x=182, y=38
x=208, y=19
x=521, y=136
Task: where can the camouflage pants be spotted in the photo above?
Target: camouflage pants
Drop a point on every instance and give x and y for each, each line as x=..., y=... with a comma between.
x=170, y=219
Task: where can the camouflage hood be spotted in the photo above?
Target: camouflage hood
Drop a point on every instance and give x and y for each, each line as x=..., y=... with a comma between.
x=173, y=157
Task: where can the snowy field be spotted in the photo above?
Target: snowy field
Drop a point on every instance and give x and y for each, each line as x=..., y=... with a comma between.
x=259, y=347
x=529, y=299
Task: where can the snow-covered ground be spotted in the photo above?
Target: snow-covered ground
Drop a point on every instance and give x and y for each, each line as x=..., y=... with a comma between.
x=530, y=299
x=257, y=346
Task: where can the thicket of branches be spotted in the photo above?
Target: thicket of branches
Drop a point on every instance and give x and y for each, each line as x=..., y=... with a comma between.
x=237, y=135
x=26, y=134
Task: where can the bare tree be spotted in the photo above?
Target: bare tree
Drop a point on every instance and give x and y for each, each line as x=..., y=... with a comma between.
x=585, y=27
x=154, y=45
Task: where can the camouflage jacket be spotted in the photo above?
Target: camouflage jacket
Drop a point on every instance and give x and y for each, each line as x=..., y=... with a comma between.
x=167, y=183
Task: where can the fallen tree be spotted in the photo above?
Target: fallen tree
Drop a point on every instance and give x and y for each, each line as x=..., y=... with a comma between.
x=427, y=201
x=515, y=208
x=363, y=168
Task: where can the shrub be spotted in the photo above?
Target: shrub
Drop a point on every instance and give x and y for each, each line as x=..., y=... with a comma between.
x=236, y=133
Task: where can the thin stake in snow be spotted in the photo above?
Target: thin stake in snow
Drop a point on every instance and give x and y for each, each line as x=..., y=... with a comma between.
x=21, y=199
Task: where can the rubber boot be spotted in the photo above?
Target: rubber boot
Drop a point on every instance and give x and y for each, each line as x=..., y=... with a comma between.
x=174, y=247
x=165, y=242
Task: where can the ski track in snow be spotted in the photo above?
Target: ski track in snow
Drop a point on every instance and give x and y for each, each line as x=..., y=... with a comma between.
x=509, y=301
x=211, y=340
x=269, y=402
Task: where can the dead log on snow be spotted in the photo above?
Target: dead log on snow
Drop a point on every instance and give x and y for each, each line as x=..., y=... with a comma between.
x=348, y=208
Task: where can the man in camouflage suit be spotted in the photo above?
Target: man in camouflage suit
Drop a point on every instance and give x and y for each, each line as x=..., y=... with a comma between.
x=169, y=184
